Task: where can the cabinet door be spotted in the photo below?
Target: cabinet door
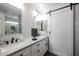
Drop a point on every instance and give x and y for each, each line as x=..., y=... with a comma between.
x=27, y=51
x=24, y=52
x=40, y=48
x=19, y=53
x=36, y=49
x=44, y=46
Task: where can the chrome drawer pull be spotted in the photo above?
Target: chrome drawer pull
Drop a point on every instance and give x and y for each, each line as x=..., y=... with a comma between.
x=38, y=44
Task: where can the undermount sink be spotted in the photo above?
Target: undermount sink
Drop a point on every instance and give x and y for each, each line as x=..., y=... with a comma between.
x=13, y=47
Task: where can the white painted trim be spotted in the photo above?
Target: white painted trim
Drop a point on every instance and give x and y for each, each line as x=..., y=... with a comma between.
x=57, y=53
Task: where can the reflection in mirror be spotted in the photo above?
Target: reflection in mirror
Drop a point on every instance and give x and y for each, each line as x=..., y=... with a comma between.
x=40, y=21
x=12, y=18
x=12, y=25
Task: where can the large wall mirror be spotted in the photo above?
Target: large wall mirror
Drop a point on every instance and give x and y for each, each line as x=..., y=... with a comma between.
x=11, y=21
x=40, y=22
x=41, y=25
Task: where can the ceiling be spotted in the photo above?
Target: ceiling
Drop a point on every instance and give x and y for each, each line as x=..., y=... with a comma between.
x=45, y=7
x=7, y=8
x=41, y=7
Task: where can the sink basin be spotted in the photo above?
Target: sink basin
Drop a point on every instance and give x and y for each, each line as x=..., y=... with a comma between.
x=13, y=47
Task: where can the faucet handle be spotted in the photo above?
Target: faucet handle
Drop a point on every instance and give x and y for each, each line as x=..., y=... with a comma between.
x=12, y=40
x=17, y=40
x=6, y=42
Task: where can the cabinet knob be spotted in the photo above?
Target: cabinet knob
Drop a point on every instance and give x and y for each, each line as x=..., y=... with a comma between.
x=38, y=44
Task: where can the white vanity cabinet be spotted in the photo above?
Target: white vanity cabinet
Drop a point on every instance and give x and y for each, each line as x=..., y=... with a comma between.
x=38, y=48
x=27, y=51
x=23, y=52
x=44, y=46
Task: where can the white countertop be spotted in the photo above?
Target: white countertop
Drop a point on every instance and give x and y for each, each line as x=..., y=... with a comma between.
x=17, y=46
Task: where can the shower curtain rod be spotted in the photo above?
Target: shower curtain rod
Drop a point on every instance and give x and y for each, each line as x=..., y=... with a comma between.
x=70, y=5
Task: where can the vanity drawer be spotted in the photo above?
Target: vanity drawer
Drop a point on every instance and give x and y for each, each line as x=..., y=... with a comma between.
x=19, y=53
x=44, y=43
x=36, y=46
x=36, y=49
x=24, y=52
x=40, y=48
x=36, y=52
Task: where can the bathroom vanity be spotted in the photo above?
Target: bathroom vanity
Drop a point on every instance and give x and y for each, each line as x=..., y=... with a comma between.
x=27, y=47
x=12, y=27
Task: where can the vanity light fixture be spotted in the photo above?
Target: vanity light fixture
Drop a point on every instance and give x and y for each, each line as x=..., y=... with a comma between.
x=15, y=23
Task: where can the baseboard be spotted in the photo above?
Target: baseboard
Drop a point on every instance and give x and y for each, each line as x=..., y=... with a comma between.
x=57, y=53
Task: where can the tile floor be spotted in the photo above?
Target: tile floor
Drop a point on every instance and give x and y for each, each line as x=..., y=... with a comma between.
x=49, y=54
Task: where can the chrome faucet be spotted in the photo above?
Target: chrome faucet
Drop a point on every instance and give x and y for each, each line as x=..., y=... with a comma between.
x=12, y=40
x=6, y=42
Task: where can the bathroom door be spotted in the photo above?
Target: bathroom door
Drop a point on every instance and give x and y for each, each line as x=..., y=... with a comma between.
x=77, y=30
x=61, y=25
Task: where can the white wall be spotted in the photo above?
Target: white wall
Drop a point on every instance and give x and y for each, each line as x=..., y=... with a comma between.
x=45, y=7
x=27, y=21
x=27, y=24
